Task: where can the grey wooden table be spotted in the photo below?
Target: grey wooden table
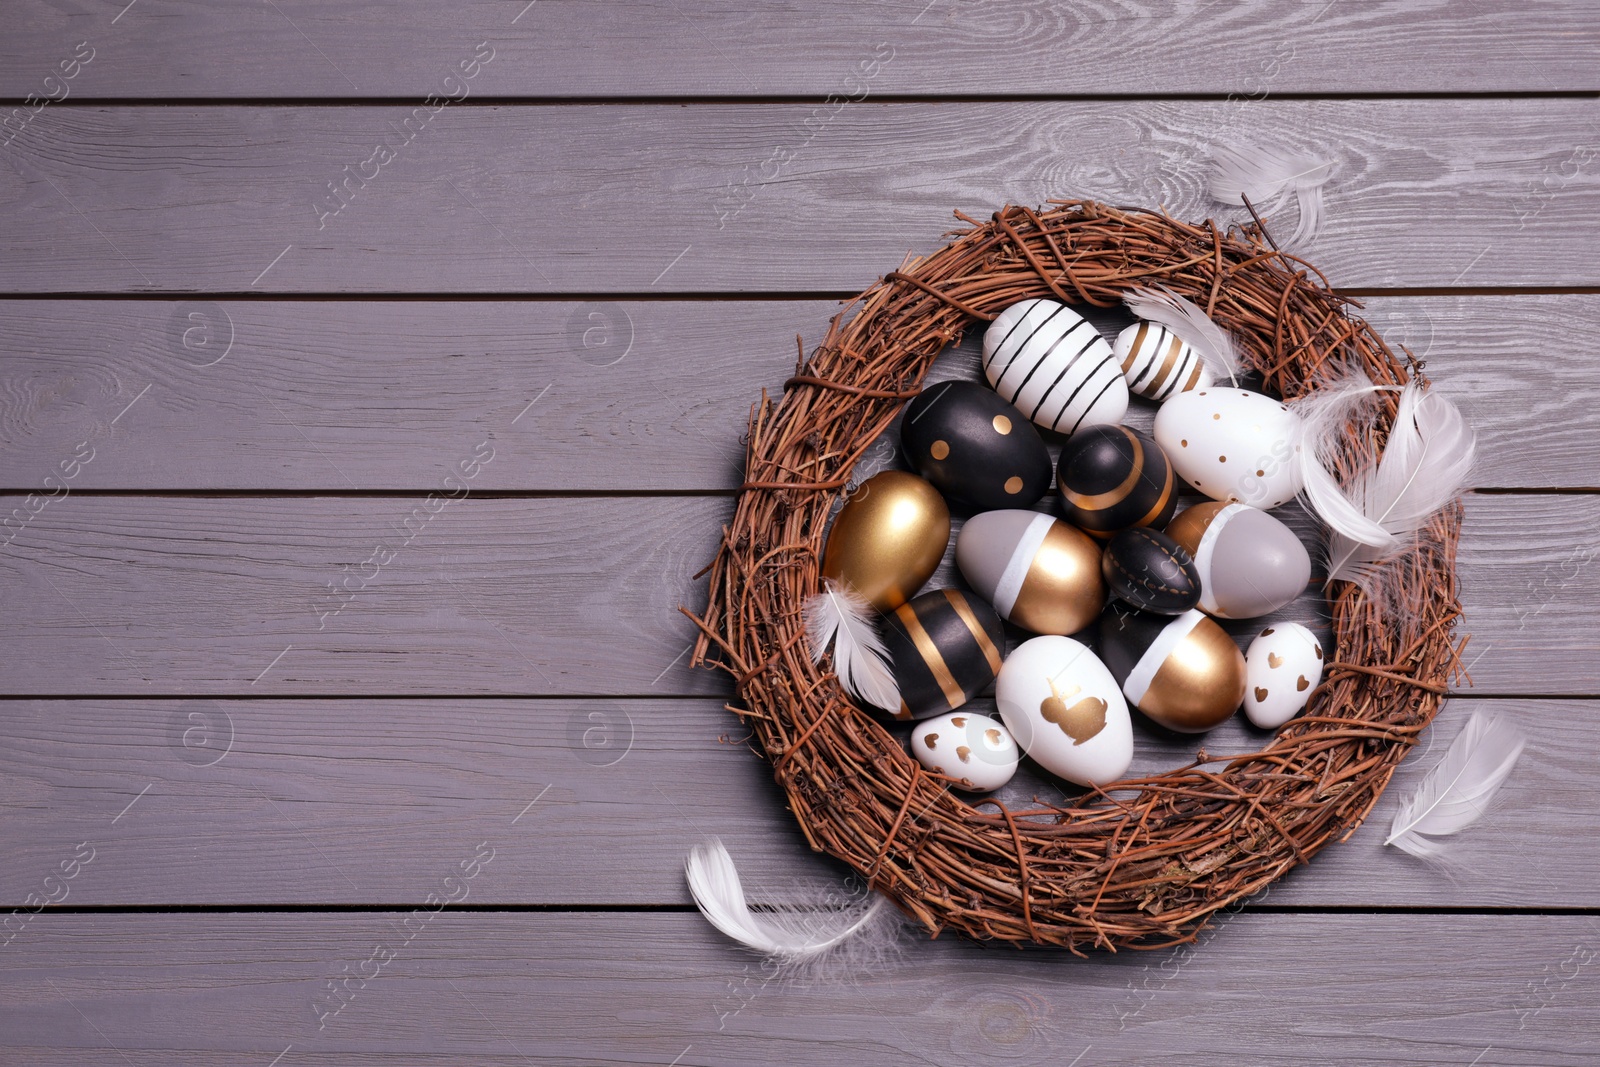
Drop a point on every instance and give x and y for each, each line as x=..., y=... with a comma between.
x=371, y=390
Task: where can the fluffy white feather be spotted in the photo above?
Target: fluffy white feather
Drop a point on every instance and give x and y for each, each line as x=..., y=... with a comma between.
x=1267, y=176
x=1184, y=318
x=1422, y=468
x=805, y=927
x=1324, y=414
x=1457, y=792
x=1424, y=465
x=840, y=617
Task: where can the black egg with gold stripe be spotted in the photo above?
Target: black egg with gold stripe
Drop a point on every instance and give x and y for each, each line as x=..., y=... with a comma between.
x=946, y=646
x=1114, y=477
x=974, y=447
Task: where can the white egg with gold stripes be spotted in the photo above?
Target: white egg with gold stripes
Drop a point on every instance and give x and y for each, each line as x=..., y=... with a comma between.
x=1053, y=365
x=1157, y=363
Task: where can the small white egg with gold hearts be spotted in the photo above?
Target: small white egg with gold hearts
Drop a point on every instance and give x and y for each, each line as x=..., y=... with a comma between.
x=1283, y=667
x=975, y=749
x=1157, y=362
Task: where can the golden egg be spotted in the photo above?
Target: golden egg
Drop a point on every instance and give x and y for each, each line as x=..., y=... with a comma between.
x=1038, y=572
x=1186, y=673
x=888, y=539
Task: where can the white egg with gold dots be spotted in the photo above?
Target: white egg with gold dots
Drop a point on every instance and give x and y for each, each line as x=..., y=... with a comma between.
x=977, y=751
x=1233, y=445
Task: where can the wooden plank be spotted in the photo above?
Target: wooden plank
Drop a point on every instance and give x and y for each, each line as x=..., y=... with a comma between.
x=597, y=802
x=173, y=48
x=667, y=988
x=590, y=199
x=435, y=594
x=180, y=596
x=330, y=395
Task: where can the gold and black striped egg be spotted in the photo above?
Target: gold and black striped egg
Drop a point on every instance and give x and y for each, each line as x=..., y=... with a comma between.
x=1054, y=366
x=945, y=646
x=1150, y=571
x=1158, y=363
x=976, y=449
x=1114, y=477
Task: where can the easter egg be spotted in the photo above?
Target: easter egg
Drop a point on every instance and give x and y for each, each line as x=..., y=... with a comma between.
x=1065, y=710
x=1249, y=563
x=1054, y=366
x=1114, y=477
x=1037, y=571
x=1282, y=667
x=1150, y=571
x=888, y=538
x=974, y=447
x=1185, y=673
x=1157, y=363
x=945, y=646
x=1232, y=445
x=974, y=749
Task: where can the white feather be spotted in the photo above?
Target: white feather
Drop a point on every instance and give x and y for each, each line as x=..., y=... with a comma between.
x=1457, y=792
x=810, y=923
x=842, y=618
x=1267, y=176
x=1192, y=325
x=1423, y=468
x=1324, y=414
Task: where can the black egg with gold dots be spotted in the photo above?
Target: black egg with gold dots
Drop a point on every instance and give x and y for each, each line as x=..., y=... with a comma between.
x=975, y=448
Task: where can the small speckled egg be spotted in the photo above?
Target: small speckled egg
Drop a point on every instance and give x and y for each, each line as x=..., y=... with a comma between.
x=1283, y=667
x=1151, y=571
x=1065, y=710
x=1157, y=363
x=1038, y=572
x=1054, y=366
x=1232, y=445
x=977, y=750
x=1114, y=477
x=1250, y=564
x=974, y=447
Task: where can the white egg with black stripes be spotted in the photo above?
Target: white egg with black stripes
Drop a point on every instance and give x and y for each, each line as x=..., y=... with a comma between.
x=1157, y=363
x=1053, y=365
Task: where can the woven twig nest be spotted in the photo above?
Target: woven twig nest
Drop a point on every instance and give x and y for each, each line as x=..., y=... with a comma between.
x=1144, y=862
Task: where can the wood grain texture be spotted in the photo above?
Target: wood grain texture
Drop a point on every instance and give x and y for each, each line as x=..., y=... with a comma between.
x=162, y=596
x=328, y=595
x=591, y=199
x=330, y=396
x=658, y=989
x=173, y=48
x=597, y=802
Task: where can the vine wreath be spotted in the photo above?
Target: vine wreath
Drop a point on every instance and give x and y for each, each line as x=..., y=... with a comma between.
x=1145, y=862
